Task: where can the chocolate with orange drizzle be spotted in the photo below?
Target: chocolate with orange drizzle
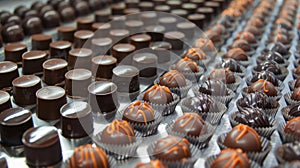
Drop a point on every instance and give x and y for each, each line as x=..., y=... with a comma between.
x=231, y=158
x=158, y=95
x=237, y=54
x=139, y=112
x=119, y=132
x=195, y=54
x=172, y=79
x=172, y=148
x=225, y=75
x=88, y=156
x=151, y=164
x=263, y=86
x=186, y=65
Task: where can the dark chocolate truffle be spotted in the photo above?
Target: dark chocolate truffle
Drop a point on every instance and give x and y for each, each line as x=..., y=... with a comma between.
x=243, y=137
x=231, y=64
x=139, y=112
x=172, y=79
x=32, y=61
x=186, y=65
x=126, y=78
x=280, y=48
x=202, y=103
x=119, y=35
x=256, y=100
x=40, y=42
x=54, y=71
x=172, y=148
x=151, y=164
x=77, y=82
x=119, y=132
x=296, y=94
x=82, y=8
x=32, y=25
x=190, y=124
x=8, y=71
x=50, y=19
x=225, y=75
x=67, y=13
x=14, y=51
x=213, y=88
x=295, y=110
x=271, y=55
x=293, y=127
x=231, y=158
x=266, y=75
x=12, y=33
x=89, y=156
x=249, y=37
x=252, y=117
x=242, y=44
x=237, y=54
x=42, y=146
x=269, y=66
x=158, y=95
x=289, y=151
x=13, y=123
x=263, y=86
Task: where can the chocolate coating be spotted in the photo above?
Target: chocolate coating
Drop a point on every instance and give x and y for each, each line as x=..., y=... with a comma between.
x=84, y=23
x=13, y=52
x=172, y=79
x=190, y=124
x=213, y=88
x=263, y=86
x=202, y=103
x=66, y=33
x=77, y=82
x=225, y=76
x=33, y=61
x=187, y=28
x=140, y=41
x=126, y=78
x=269, y=66
x=60, y=49
x=196, y=54
x=252, y=117
x=8, y=71
x=231, y=158
x=231, y=64
x=32, y=25
x=151, y=164
x=102, y=66
x=50, y=19
x=82, y=8
x=13, y=123
x=158, y=95
x=296, y=94
x=175, y=38
x=146, y=63
x=4, y=101
x=156, y=32
x=54, y=71
x=42, y=146
x=294, y=110
x=67, y=13
x=102, y=16
x=40, y=42
x=81, y=37
x=280, y=48
x=256, y=100
x=101, y=46
x=242, y=44
x=186, y=65
x=80, y=58
x=266, y=75
x=237, y=54
x=162, y=50
x=172, y=148
x=139, y=113
x=76, y=119
x=249, y=37
x=289, y=151
x=271, y=55
x=12, y=33
x=122, y=50
x=293, y=127
x=119, y=132
x=243, y=137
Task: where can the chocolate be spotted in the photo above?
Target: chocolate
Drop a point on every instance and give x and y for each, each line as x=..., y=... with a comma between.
x=103, y=30
x=175, y=38
x=294, y=110
x=162, y=8
x=280, y=48
x=146, y=63
x=214, y=36
x=158, y=95
x=196, y=54
x=32, y=61
x=117, y=8
x=297, y=70
x=223, y=75
x=126, y=78
x=81, y=37
x=134, y=26
x=249, y=37
x=76, y=120
x=266, y=75
x=172, y=148
x=84, y=23
x=82, y=8
x=88, y=156
x=186, y=65
x=139, y=113
x=146, y=6
x=296, y=94
x=197, y=19
x=13, y=52
x=8, y=71
x=140, y=41
x=205, y=45
x=20, y=10
x=60, y=49
x=77, y=82
x=32, y=25
x=102, y=66
x=50, y=96
x=42, y=146
x=252, y=29
x=256, y=100
x=40, y=42
x=80, y=58
x=252, y=117
x=180, y=12
x=231, y=158
x=172, y=79
x=213, y=88
x=66, y=33
x=273, y=56
x=31, y=13
x=54, y=71
x=119, y=132
x=207, y=11
x=242, y=44
x=119, y=35
x=122, y=50
x=187, y=28
x=149, y=18
x=162, y=50
x=237, y=54
x=269, y=65
x=13, y=123
x=102, y=16
x=103, y=97
x=132, y=3
x=292, y=127
x=50, y=19
x=174, y=4
x=297, y=83
x=289, y=151
x=4, y=15
x=151, y=164
x=12, y=19
x=190, y=7
x=12, y=33
x=231, y=64
x=202, y=103
x=4, y=101
x=190, y=124
x=243, y=137
x=67, y=13
x=263, y=86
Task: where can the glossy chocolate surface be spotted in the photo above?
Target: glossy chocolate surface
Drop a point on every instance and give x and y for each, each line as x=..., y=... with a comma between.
x=66, y=33
x=32, y=25
x=146, y=63
x=237, y=54
x=12, y=33
x=60, y=49
x=4, y=101
x=67, y=13
x=293, y=127
x=81, y=36
x=54, y=71
x=126, y=78
x=252, y=117
x=122, y=50
x=33, y=61
x=202, y=103
x=289, y=151
x=175, y=38
x=102, y=66
x=50, y=19
x=14, y=51
x=231, y=158
x=84, y=23
x=186, y=65
x=158, y=95
x=139, y=112
x=269, y=65
x=213, y=88
x=140, y=41
x=231, y=64
x=8, y=71
x=80, y=58
x=263, y=86
x=40, y=42
x=242, y=44
x=77, y=82
x=257, y=100
x=225, y=76
x=295, y=110
x=172, y=79
x=162, y=50
x=190, y=124
x=151, y=164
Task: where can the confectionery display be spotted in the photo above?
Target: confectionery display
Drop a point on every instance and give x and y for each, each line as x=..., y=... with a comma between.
x=150, y=84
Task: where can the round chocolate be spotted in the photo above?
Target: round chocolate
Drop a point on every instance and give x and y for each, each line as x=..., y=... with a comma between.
x=289, y=152
x=81, y=37
x=126, y=78
x=8, y=71
x=12, y=19
x=266, y=75
x=67, y=13
x=122, y=50
x=195, y=54
x=32, y=61
x=20, y=10
x=77, y=82
x=296, y=94
x=50, y=96
x=156, y=32
x=187, y=28
x=84, y=23
x=139, y=113
x=31, y=13
x=243, y=137
x=231, y=64
x=294, y=110
x=202, y=103
x=102, y=16
x=40, y=42
x=80, y=58
x=256, y=100
x=140, y=41
x=42, y=146
x=292, y=127
x=146, y=63
x=242, y=44
x=252, y=117
x=280, y=48
x=213, y=88
x=12, y=33
x=4, y=101
x=263, y=86
x=102, y=66
x=175, y=38
x=13, y=52
x=206, y=45
x=4, y=15
x=66, y=33
x=190, y=124
x=103, y=97
x=172, y=79
x=237, y=54
x=50, y=19
x=172, y=148
x=76, y=119
x=268, y=65
x=119, y=35
x=13, y=123
x=82, y=8
x=271, y=55
x=60, y=49
x=158, y=95
x=162, y=50
x=101, y=46
x=223, y=75
x=54, y=71
x=119, y=132
x=249, y=37
x=231, y=158
x=32, y=25
x=186, y=65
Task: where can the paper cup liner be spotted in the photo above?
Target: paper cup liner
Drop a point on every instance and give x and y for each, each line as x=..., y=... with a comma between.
x=184, y=163
x=180, y=91
x=295, y=76
x=262, y=131
x=296, y=62
x=245, y=92
x=282, y=76
x=280, y=85
x=144, y=129
x=285, y=112
x=209, y=161
x=214, y=115
x=258, y=157
x=164, y=109
x=223, y=99
x=119, y=152
x=279, y=155
x=285, y=63
x=292, y=84
x=199, y=141
x=244, y=63
x=286, y=137
x=192, y=76
x=289, y=100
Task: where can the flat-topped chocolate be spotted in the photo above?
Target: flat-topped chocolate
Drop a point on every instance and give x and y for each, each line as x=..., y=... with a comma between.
x=33, y=61
x=168, y=22
x=42, y=146
x=134, y=26
x=146, y=63
x=101, y=46
x=13, y=52
x=81, y=36
x=4, y=101
x=119, y=35
x=60, y=49
x=66, y=33
x=162, y=50
x=80, y=58
x=8, y=71
x=149, y=18
x=103, y=65
x=122, y=50
x=197, y=19
x=13, y=123
x=187, y=28
x=77, y=82
x=102, y=16
x=140, y=41
x=156, y=32
x=40, y=42
x=77, y=120
x=175, y=38
x=126, y=78
x=54, y=71
x=84, y=23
